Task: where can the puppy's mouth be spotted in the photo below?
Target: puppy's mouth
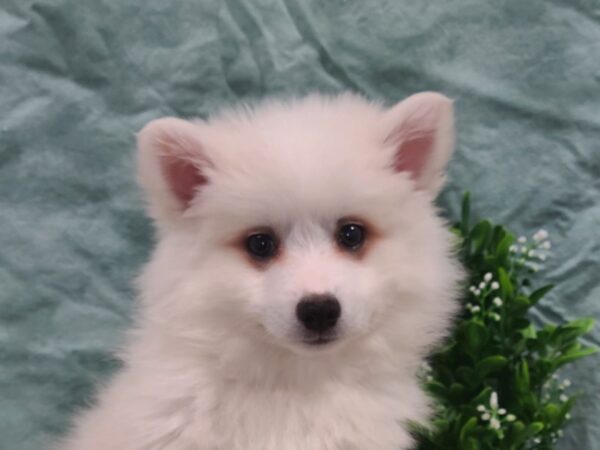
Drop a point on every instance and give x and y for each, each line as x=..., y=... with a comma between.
x=319, y=339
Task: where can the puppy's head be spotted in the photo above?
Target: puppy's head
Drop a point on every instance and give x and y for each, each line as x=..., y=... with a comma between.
x=305, y=225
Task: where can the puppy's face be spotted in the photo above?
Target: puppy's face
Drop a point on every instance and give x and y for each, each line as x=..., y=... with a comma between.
x=306, y=225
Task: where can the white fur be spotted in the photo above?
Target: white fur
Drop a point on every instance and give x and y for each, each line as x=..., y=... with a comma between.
x=215, y=361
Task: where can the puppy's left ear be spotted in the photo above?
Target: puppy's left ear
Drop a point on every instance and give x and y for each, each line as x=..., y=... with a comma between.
x=422, y=133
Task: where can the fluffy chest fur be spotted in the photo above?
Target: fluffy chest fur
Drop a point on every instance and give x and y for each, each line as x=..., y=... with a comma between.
x=180, y=402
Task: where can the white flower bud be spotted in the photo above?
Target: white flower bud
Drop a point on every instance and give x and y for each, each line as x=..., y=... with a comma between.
x=495, y=285
x=522, y=240
x=498, y=301
x=511, y=418
x=482, y=285
x=494, y=400
x=480, y=408
x=488, y=277
x=501, y=411
x=485, y=416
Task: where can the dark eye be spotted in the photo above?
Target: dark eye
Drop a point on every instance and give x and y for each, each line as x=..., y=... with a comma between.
x=261, y=246
x=351, y=236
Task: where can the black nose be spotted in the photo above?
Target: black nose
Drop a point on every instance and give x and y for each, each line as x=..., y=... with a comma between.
x=318, y=312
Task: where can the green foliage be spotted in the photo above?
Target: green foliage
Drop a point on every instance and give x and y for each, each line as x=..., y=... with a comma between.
x=494, y=380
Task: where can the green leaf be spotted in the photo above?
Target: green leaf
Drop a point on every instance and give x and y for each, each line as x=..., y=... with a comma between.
x=436, y=388
x=534, y=428
x=503, y=249
x=481, y=235
x=483, y=396
x=474, y=337
x=584, y=325
x=490, y=364
x=552, y=413
x=522, y=380
x=529, y=332
x=506, y=287
x=468, y=426
x=538, y=294
x=456, y=390
x=572, y=356
x=566, y=334
x=471, y=444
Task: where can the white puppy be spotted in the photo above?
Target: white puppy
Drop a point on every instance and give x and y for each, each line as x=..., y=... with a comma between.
x=300, y=276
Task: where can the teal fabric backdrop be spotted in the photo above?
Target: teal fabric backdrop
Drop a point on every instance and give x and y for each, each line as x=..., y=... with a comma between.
x=79, y=77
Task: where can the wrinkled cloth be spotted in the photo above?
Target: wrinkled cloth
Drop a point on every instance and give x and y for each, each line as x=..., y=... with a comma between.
x=78, y=78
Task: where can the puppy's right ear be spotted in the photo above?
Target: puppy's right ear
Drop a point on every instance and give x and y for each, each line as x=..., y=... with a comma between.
x=171, y=166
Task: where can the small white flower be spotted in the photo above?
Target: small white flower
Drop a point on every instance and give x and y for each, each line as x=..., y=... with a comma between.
x=542, y=257
x=566, y=382
x=482, y=285
x=477, y=292
x=495, y=424
x=546, y=245
x=513, y=248
x=522, y=240
x=475, y=309
x=559, y=433
x=555, y=377
x=511, y=418
x=496, y=317
x=472, y=289
x=563, y=398
x=488, y=277
x=501, y=411
x=480, y=408
x=540, y=235
x=537, y=440
x=567, y=416
x=524, y=250
x=486, y=416
x=495, y=285
x=494, y=400
x=497, y=301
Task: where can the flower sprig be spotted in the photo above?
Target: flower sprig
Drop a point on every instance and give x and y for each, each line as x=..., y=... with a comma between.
x=495, y=416
x=494, y=381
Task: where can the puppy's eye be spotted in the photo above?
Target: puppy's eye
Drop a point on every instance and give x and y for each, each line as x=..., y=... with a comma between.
x=261, y=246
x=351, y=236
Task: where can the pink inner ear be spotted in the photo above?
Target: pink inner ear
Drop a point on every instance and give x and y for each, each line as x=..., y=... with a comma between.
x=183, y=178
x=413, y=153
